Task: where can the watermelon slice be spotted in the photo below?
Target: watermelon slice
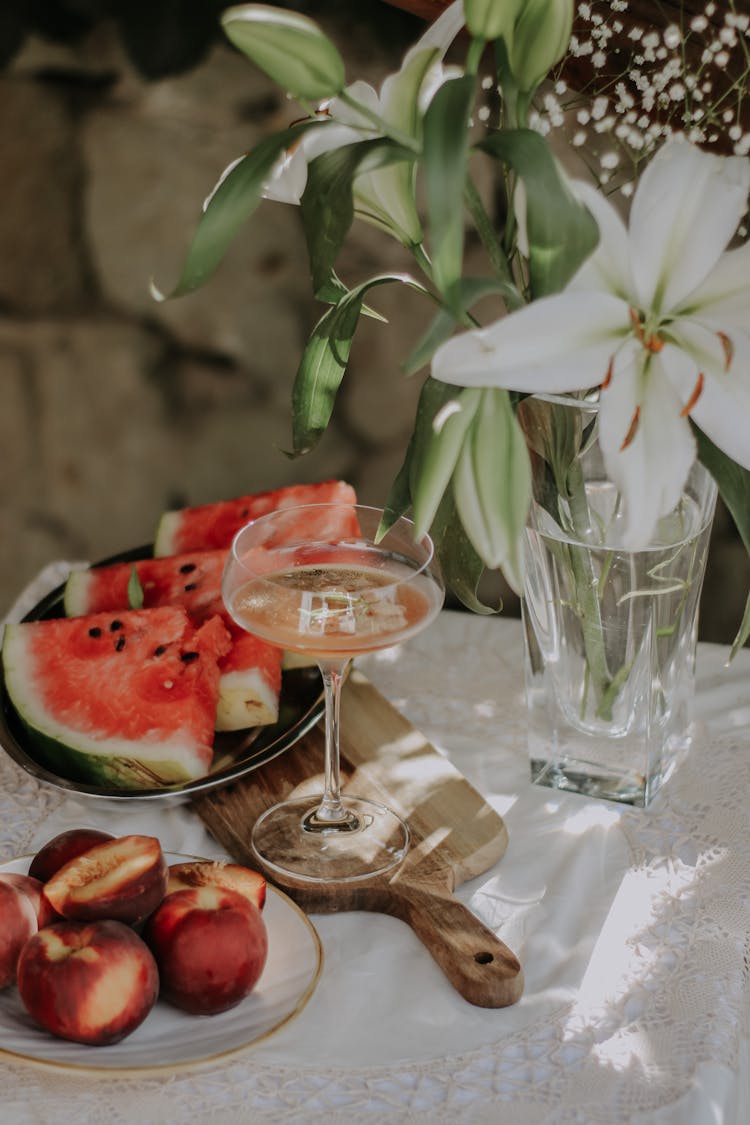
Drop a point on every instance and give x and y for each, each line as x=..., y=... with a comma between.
x=126, y=700
x=250, y=680
x=211, y=526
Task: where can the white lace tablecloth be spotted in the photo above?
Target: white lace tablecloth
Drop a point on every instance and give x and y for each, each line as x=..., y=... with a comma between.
x=633, y=928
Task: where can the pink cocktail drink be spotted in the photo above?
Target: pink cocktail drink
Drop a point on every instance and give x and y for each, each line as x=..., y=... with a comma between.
x=323, y=582
x=331, y=604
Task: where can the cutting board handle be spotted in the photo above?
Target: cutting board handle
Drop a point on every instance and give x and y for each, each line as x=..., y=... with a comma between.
x=480, y=966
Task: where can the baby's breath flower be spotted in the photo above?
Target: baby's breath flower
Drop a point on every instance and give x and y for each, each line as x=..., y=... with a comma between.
x=672, y=36
x=646, y=81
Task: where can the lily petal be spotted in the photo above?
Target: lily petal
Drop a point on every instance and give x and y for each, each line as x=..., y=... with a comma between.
x=386, y=196
x=722, y=408
x=289, y=175
x=441, y=33
x=708, y=350
x=559, y=343
x=724, y=296
x=650, y=462
x=675, y=245
x=346, y=114
x=609, y=266
x=411, y=88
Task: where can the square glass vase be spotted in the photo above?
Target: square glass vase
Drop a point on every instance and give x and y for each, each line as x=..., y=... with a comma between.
x=609, y=634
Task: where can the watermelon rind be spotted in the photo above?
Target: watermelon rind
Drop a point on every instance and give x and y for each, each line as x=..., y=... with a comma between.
x=76, y=593
x=165, y=539
x=245, y=700
x=107, y=769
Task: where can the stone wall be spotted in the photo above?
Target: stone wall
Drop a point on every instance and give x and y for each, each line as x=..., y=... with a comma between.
x=114, y=406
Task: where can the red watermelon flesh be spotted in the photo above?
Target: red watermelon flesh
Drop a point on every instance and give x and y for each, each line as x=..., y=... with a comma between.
x=250, y=680
x=125, y=699
x=211, y=526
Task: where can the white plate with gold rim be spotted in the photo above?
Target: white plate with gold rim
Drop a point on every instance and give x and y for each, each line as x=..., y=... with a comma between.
x=169, y=1038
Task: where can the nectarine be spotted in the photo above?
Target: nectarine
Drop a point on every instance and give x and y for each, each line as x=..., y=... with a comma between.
x=210, y=945
x=122, y=879
x=89, y=982
x=62, y=848
x=34, y=890
x=18, y=922
x=215, y=873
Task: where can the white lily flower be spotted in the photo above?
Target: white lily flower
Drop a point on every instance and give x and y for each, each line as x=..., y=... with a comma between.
x=658, y=318
x=384, y=197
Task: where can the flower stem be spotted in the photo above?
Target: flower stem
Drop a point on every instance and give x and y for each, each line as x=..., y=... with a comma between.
x=486, y=232
x=588, y=597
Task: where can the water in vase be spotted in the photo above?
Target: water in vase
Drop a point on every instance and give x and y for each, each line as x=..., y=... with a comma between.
x=610, y=645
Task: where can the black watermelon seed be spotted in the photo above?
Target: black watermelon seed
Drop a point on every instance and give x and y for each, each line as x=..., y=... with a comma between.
x=95, y=632
x=245, y=512
x=120, y=643
x=186, y=568
x=115, y=625
x=189, y=657
x=160, y=650
x=191, y=586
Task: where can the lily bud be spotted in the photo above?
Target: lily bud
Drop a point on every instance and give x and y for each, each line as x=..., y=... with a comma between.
x=491, y=19
x=540, y=39
x=290, y=48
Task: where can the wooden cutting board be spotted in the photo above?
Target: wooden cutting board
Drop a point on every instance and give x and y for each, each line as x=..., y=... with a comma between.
x=455, y=835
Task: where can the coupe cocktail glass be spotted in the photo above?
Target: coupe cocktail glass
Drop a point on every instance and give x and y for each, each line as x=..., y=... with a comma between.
x=318, y=581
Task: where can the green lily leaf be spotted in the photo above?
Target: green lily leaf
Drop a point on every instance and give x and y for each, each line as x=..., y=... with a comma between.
x=324, y=362
x=135, y=590
x=440, y=329
x=555, y=433
x=319, y=376
x=332, y=292
x=485, y=228
x=561, y=231
x=733, y=483
x=743, y=632
x=492, y=485
x=471, y=290
x=290, y=48
x=399, y=497
x=461, y=565
x=327, y=203
x=446, y=149
x=232, y=202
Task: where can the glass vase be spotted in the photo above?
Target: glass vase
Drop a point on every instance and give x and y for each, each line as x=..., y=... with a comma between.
x=610, y=634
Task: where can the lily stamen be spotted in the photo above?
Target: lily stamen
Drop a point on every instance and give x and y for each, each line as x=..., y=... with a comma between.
x=631, y=429
x=697, y=391
x=608, y=376
x=651, y=343
x=728, y=347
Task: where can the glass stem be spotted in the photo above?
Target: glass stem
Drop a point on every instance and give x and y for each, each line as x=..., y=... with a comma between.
x=331, y=807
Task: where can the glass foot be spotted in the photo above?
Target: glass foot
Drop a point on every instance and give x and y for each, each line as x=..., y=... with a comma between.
x=292, y=839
